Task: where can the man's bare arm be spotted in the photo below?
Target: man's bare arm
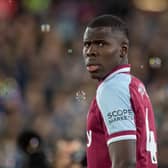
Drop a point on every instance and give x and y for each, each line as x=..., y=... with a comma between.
x=123, y=154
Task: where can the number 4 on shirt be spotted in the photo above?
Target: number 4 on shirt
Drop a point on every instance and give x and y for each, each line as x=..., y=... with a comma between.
x=151, y=145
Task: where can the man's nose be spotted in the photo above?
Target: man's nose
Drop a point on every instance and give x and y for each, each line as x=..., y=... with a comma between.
x=91, y=51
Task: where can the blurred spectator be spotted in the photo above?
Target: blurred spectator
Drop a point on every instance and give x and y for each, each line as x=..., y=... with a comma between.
x=69, y=153
x=32, y=147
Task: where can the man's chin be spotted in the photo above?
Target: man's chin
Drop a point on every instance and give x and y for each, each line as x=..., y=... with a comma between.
x=95, y=76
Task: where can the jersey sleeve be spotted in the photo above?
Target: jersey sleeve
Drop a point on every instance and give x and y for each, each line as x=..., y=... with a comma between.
x=116, y=110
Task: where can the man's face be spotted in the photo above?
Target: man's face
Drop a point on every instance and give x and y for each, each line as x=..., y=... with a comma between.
x=101, y=50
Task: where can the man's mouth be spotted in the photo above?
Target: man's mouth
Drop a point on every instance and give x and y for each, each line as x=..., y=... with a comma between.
x=92, y=68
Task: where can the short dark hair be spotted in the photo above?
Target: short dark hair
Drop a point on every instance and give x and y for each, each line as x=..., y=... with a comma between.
x=112, y=21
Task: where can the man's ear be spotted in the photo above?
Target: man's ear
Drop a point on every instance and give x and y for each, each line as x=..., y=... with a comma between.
x=124, y=49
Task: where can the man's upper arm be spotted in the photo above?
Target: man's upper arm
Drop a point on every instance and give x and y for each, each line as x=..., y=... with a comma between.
x=114, y=103
x=116, y=110
x=123, y=154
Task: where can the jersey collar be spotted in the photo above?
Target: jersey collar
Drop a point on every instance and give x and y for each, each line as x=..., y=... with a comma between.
x=119, y=69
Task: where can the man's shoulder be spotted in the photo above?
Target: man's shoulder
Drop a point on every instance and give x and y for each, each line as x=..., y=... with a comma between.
x=115, y=86
x=115, y=83
x=136, y=80
x=136, y=83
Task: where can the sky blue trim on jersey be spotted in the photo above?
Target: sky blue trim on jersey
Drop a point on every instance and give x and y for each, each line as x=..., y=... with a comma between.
x=113, y=99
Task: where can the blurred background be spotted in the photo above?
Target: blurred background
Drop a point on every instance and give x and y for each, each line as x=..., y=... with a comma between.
x=45, y=90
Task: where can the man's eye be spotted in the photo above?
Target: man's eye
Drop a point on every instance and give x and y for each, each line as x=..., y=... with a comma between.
x=101, y=44
x=86, y=45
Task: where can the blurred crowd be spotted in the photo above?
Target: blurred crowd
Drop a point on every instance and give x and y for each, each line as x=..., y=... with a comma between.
x=44, y=87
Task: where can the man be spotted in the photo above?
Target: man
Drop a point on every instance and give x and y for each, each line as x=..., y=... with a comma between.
x=120, y=123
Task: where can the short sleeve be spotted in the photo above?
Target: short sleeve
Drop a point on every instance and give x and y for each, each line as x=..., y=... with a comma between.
x=113, y=99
